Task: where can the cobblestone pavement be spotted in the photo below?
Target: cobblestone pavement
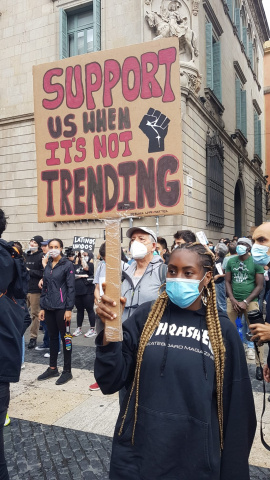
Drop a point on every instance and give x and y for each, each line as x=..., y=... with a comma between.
x=50, y=452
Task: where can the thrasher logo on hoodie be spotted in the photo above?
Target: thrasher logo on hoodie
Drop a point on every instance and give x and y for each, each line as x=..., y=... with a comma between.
x=181, y=333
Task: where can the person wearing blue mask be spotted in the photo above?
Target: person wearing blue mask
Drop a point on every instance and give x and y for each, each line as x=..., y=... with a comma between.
x=261, y=255
x=186, y=375
x=244, y=282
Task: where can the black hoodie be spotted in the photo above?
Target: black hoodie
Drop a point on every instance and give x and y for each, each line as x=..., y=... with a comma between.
x=11, y=321
x=58, y=291
x=34, y=264
x=177, y=431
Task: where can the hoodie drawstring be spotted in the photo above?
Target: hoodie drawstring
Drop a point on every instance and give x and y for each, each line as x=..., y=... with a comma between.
x=201, y=345
x=165, y=354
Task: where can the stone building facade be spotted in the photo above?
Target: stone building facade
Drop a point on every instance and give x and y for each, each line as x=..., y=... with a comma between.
x=221, y=72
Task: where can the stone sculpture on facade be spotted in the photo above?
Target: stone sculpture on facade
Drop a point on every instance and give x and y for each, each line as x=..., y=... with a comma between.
x=174, y=20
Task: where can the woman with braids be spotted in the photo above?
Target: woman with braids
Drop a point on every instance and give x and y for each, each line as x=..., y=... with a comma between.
x=189, y=412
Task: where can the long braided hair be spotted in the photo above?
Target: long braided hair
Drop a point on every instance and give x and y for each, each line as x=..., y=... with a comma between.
x=214, y=330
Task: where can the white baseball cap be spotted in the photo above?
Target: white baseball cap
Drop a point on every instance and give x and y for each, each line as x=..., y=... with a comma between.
x=143, y=229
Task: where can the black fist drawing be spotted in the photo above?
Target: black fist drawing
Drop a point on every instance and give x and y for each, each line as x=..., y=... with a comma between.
x=155, y=126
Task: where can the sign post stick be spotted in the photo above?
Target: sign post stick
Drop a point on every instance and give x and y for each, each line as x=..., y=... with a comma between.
x=113, y=328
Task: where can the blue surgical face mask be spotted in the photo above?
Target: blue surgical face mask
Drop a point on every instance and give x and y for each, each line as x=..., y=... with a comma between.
x=182, y=291
x=241, y=250
x=259, y=254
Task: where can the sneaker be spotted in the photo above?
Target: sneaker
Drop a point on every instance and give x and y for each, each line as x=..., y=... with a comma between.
x=65, y=377
x=32, y=343
x=22, y=366
x=42, y=347
x=91, y=333
x=47, y=355
x=7, y=421
x=251, y=353
x=50, y=372
x=77, y=332
x=94, y=387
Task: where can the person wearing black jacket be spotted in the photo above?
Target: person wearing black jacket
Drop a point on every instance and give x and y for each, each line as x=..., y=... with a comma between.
x=56, y=302
x=84, y=292
x=189, y=411
x=33, y=260
x=11, y=328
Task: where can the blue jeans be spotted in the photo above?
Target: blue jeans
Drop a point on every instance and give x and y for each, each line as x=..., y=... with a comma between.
x=244, y=331
x=221, y=296
x=4, y=402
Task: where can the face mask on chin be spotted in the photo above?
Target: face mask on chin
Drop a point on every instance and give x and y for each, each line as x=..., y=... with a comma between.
x=138, y=250
x=182, y=291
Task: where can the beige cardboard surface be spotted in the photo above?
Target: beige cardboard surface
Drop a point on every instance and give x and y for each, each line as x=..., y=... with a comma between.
x=108, y=134
x=113, y=328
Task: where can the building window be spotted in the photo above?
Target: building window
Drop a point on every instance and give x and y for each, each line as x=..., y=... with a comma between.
x=215, y=181
x=250, y=48
x=241, y=107
x=80, y=30
x=213, y=62
x=258, y=203
x=244, y=30
x=257, y=135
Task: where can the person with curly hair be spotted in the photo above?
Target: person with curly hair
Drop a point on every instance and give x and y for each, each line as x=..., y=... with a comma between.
x=188, y=412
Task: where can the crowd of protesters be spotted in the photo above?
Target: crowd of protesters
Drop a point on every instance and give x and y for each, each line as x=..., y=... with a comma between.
x=180, y=370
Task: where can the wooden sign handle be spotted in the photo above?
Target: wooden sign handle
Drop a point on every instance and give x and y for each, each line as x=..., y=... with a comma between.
x=113, y=328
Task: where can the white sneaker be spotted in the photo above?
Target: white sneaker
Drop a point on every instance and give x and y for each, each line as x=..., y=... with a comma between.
x=251, y=353
x=47, y=355
x=91, y=333
x=22, y=366
x=77, y=332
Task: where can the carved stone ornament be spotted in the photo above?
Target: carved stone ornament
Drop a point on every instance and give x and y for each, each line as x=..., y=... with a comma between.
x=195, y=7
x=215, y=145
x=241, y=164
x=214, y=107
x=172, y=18
x=171, y=22
x=190, y=78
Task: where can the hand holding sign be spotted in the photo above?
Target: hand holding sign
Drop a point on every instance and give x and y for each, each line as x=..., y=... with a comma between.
x=155, y=126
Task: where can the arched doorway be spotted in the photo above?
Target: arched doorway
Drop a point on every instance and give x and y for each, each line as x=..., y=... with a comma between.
x=239, y=219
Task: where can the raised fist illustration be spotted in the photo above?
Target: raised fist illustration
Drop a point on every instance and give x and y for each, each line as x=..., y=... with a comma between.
x=155, y=126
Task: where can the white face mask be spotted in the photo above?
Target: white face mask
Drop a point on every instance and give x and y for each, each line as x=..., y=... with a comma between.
x=85, y=258
x=138, y=250
x=55, y=253
x=32, y=249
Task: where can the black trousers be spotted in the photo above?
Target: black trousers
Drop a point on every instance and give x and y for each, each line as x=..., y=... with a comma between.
x=85, y=302
x=55, y=322
x=4, y=402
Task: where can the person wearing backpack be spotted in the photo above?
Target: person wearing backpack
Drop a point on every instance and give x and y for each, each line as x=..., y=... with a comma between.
x=11, y=328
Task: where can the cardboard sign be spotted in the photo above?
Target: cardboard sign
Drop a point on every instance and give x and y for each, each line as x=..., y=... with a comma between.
x=86, y=244
x=202, y=238
x=108, y=134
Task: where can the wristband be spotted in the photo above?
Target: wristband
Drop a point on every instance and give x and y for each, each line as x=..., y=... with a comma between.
x=247, y=304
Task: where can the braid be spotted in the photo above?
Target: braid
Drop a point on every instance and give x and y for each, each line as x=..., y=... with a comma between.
x=215, y=335
x=151, y=324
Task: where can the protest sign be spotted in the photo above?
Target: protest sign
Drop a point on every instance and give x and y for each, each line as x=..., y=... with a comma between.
x=108, y=134
x=86, y=244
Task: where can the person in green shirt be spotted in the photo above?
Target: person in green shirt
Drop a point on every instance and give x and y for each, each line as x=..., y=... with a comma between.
x=244, y=281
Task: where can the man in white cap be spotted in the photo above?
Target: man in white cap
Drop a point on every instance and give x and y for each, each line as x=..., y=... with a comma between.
x=142, y=279
x=244, y=282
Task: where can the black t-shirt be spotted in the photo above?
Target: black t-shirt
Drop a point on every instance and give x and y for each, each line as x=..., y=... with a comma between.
x=84, y=286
